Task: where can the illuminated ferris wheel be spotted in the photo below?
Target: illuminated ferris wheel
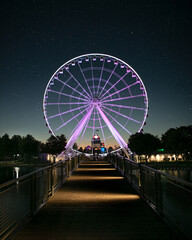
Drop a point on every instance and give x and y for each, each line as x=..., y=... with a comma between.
x=95, y=93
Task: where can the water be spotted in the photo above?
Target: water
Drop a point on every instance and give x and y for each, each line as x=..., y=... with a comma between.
x=185, y=174
x=9, y=173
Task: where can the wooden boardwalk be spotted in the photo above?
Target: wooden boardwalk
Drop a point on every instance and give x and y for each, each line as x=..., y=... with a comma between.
x=95, y=203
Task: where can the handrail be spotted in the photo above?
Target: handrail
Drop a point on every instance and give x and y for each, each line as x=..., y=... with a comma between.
x=168, y=176
x=30, y=192
x=2, y=185
x=169, y=196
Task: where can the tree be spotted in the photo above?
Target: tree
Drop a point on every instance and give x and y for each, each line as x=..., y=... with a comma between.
x=5, y=145
x=80, y=149
x=55, y=145
x=29, y=147
x=144, y=144
x=178, y=140
x=16, y=145
x=110, y=149
x=75, y=146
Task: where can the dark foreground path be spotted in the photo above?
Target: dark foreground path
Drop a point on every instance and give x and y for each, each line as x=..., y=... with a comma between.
x=95, y=204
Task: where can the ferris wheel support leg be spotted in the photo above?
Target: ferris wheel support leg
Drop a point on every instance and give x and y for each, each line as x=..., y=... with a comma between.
x=75, y=135
x=114, y=132
x=79, y=129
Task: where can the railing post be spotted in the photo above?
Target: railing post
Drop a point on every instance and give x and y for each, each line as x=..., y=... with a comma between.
x=52, y=181
x=131, y=177
x=124, y=167
x=33, y=195
x=62, y=176
x=141, y=184
x=158, y=193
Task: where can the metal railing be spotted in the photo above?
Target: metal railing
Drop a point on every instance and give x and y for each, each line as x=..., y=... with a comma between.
x=21, y=198
x=169, y=196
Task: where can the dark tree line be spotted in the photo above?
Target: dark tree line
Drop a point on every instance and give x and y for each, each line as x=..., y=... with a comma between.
x=27, y=147
x=174, y=140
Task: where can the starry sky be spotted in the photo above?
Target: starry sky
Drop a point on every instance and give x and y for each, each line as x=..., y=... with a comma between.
x=37, y=37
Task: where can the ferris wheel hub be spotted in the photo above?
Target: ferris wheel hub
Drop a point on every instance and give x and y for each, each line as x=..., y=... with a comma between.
x=95, y=102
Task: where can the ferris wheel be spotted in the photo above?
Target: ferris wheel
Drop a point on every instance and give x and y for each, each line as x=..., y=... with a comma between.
x=95, y=94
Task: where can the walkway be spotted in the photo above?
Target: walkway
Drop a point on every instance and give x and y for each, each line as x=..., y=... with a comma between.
x=96, y=203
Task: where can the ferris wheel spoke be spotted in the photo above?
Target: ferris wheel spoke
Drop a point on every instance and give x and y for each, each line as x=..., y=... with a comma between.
x=85, y=79
x=123, y=98
x=69, y=111
x=123, y=106
x=67, y=103
x=118, y=122
x=114, y=131
x=101, y=76
x=114, y=85
x=78, y=82
x=70, y=120
x=129, y=86
x=93, y=121
x=108, y=80
x=64, y=94
x=132, y=119
x=92, y=77
x=71, y=87
x=79, y=129
x=102, y=130
x=83, y=132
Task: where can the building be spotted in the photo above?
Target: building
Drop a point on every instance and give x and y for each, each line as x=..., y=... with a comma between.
x=96, y=145
x=160, y=157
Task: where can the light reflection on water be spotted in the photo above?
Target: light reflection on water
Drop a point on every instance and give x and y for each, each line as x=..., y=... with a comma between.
x=9, y=173
x=185, y=174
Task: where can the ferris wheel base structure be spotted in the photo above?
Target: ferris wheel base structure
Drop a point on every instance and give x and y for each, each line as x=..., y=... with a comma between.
x=95, y=92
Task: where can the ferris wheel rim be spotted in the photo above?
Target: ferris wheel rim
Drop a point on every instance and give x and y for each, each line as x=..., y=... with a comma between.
x=98, y=55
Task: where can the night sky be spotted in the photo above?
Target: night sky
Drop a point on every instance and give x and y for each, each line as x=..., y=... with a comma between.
x=37, y=37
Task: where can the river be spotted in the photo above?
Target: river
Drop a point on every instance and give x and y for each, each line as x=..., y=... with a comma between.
x=9, y=173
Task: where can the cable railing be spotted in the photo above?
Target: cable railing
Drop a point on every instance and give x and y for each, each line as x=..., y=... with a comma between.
x=169, y=196
x=21, y=198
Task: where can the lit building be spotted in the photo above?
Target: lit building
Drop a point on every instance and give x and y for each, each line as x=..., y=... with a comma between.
x=96, y=145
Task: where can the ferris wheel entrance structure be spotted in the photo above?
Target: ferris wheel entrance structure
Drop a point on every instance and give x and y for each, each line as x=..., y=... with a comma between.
x=95, y=92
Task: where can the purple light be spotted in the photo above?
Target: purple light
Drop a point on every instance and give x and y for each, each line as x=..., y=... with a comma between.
x=115, y=133
x=79, y=129
x=69, y=120
x=116, y=105
x=66, y=103
x=64, y=94
x=102, y=131
x=118, y=122
x=78, y=83
x=64, y=83
x=94, y=101
x=108, y=80
x=129, y=97
x=72, y=110
x=100, y=76
x=121, y=114
x=120, y=89
x=85, y=79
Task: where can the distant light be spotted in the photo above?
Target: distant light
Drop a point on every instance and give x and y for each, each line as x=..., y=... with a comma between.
x=102, y=149
x=160, y=150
